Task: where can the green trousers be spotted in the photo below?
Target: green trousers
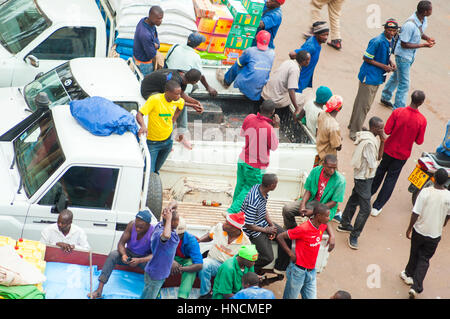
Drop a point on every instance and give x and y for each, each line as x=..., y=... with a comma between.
x=187, y=278
x=247, y=177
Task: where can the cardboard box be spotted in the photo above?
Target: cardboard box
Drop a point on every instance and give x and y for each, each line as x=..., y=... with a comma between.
x=203, y=9
x=254, y=7
x=204, y=46
x=239, y=30
x=239, y=42
x=232, y=55
x=216, y=1
x=217, y=44
x=224, y=20
x=241, y=15
x=206, y=25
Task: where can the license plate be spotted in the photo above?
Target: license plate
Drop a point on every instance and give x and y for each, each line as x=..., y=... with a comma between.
x=418, y=178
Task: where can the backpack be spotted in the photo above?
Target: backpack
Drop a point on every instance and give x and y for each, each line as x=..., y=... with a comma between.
x=396, y=38
x=168, y=55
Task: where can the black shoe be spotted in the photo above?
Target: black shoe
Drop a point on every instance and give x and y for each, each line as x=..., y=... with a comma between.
x=353, y=242
x=344, y=229
x=387, y=103
x=207, y=296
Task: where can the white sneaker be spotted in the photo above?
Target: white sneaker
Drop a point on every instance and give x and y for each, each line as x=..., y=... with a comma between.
x=375, y=212
x=408, y=280
x=412, y=294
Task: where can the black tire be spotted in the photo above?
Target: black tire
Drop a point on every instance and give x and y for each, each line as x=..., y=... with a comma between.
x=155, y=195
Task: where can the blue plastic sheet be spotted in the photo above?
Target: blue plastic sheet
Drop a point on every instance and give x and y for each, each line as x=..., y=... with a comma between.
x=102, y=117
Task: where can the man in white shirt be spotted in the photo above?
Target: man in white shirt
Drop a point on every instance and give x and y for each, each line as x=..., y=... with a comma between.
x=64, y=234
x=430, y=214
x=312, y=108
x=368, y=151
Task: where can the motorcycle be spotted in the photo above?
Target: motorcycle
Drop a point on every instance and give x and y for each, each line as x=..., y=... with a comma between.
x=423, y=174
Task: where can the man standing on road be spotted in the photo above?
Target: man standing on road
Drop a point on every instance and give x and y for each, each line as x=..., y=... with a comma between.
x=284, y=81
x=313, y=45
x=271, y=20
x=301, y=272
x=329, y=139
x=430, y=214
x=146, y=41
x=260, y=140
x=372, y=74
x=412, y=32
x=368, y=151
x=405, y=126
x=324, y=185
x=133, y=249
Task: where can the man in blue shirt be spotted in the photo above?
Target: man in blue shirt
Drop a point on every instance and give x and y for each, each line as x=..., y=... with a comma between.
x=313, y=46
x=251, y=290
x=412, y=32
x=271, y=20
x=377, y=63
x=443, y=150
x=146, y=42
x=251, y=70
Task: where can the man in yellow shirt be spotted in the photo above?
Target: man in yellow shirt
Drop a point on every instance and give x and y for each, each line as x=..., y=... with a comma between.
x=162, y=110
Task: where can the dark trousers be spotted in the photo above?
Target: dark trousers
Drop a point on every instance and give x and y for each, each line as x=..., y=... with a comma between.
x=265, y=253
x=360, y=196
x=390, y=168
x=422, y=249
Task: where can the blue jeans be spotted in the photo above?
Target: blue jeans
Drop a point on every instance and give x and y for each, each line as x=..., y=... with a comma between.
x=115, y=258
x=299, y=281
x=145, y=68
x=159, y=151
x=151, y=288
x=399, y=80
x=210, y=268
x=231, y=74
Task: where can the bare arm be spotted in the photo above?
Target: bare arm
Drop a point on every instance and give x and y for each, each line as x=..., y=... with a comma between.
x=293, y=99
x=412, y=221
x=281, y=239
x=140, y=120
x=331, y=238
x=212, y=91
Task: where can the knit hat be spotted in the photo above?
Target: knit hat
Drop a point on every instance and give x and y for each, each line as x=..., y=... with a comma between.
x=280, y=1
x=181, y=226
x=334, y=103
x=248, y=252
x=323, y=94
x=320, y=27
x=145, y=215
x=236, y=220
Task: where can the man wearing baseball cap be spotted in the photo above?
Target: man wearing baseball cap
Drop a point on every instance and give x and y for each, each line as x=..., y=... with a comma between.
x=226, y=240
x=251, y=70
x=329, y=139
x=377, y=63
x=133, y=249
x=271, y=20
x=228, y=280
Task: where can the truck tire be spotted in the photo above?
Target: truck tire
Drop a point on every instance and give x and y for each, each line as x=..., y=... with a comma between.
x=155, y=195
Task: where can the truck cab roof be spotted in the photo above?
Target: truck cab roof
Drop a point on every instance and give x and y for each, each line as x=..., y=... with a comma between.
x=76, y=13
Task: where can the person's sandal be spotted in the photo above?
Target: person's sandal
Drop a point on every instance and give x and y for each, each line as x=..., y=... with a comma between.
x=337, y=44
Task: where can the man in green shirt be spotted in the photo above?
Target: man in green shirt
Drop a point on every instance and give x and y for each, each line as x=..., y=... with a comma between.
x=228, y=280
x=325, y=185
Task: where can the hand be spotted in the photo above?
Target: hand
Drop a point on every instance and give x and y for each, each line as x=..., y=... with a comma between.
x=388, y=68
x=408, y=233
x=212, y=91
x=295, y=118
x=198, y=108
x=167, y=214
x=271, y=230
x=331, y=243
x=124, y=259
x=431, y=40
x=142, y=131
x=276, y=121
x=427, y=45
x=393, y=66
x=293, y=257
x=134, y=262
x=66, y=247
x=176, y=268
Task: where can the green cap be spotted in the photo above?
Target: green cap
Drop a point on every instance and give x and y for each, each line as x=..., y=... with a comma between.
x=248, y=252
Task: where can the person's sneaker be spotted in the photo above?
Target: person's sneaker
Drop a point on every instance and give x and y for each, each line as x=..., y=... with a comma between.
x=387, y=103
x=344, y=229
x=220, y=76
x=408, y=280
x=338, y=217
x=412, y=294
x=353, y=242
x=375, y=212
x=207, y=296
x=336, y=44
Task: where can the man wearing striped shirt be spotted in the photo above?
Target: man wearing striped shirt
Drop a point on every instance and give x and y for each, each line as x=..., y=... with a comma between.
x=259, y=227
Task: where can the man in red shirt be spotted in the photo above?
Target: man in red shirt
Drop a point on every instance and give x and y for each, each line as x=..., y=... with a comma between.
x=405, y=126
x=301, y=272
x=260, y=139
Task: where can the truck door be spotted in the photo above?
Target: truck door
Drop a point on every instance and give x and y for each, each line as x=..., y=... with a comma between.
x=90, y=192
x=62, y=45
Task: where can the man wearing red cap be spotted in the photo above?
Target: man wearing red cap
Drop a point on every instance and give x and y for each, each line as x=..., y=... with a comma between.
x=251, y=70
x=226, y=240
x=271, y=19
x=329, y=139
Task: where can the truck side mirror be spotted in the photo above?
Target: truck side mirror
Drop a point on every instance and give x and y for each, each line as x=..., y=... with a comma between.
x=32, y=60
x=61, y=203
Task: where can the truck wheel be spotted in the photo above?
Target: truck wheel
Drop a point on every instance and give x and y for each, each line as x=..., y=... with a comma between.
x=417, y=191
x=155, y=195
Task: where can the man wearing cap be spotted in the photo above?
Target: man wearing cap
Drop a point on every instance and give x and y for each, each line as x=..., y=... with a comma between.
x=270, y=20
x=329, y=139
x=133, y=249
x=410, y=36
x=228, y=280
x=226, y=240
x=146, y=41
x=284, y=81
x=251, y=70
x=312, y=108
x=377, y=63
x=188, y=260
x=313, y=45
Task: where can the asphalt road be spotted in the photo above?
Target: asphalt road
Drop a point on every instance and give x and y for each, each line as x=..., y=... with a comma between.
x=373, y=270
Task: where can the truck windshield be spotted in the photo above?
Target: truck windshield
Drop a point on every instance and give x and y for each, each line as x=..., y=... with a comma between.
x=59, y=84
x=21, y=22
x=38, y=154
